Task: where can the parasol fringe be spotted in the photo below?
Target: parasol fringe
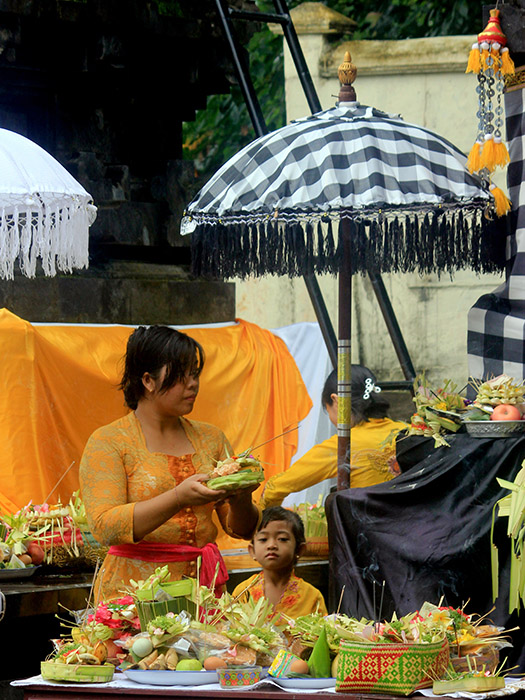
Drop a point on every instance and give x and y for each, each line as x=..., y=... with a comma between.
x=434, y=242
x=57, y=234
x=320, y=243
x=330, y=253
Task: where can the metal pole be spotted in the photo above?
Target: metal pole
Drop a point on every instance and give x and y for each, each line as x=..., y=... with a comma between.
x=242, y=72
x=344, y=361
x=260, y=127
x=298, y=58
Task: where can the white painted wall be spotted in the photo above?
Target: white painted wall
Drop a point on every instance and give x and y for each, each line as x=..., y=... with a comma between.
x=424, y=81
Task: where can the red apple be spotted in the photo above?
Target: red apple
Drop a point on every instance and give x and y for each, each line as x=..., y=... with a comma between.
x=505, y=411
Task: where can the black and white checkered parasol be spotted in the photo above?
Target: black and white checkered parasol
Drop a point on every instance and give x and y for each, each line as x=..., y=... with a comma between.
x=411, y=202
x=496, y=322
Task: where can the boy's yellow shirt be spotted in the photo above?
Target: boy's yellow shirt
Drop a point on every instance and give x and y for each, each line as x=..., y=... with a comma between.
x=299, y=598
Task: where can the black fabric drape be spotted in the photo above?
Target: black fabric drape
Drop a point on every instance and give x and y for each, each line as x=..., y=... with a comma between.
x=426, y=533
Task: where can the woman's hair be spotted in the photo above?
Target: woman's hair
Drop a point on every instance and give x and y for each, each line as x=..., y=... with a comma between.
x=373, y=406
x=273, y=513
x=149, y=349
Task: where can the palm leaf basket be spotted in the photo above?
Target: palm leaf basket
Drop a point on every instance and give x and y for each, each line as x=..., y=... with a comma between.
x=392, y=669
x=78, y=673
x=175, y=600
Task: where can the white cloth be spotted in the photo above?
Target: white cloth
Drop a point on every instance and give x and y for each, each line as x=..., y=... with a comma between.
x=306, y=345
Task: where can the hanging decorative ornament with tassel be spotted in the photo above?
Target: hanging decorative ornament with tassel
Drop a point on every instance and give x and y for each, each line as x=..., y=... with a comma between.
x=490, y=59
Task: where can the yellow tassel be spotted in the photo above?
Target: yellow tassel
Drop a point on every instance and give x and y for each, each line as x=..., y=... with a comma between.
x=474, y=62
x=496, y=57
x=501, y=201
x=507, y=64
x=474, y=160
x=484, y=55
x=488, y=154
x=501, y=155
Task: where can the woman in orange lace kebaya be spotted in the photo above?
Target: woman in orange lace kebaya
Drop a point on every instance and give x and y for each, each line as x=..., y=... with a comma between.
x=143, y=477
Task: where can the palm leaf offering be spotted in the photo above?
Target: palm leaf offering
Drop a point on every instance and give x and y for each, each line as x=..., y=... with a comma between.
x=438, y=410
x=313, y=516
x=226, y=631
x=498, y=390
x=512, y=507
x=236, y=472
x=466, y=634
x=48, y=534
x=319, y=663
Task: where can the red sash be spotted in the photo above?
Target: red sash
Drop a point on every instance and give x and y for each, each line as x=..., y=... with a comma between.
x=163, y=552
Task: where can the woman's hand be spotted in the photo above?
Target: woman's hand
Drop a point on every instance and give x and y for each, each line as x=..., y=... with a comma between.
x=241, y=497
x=151, y=514
x=194, y=492
x=244, y=514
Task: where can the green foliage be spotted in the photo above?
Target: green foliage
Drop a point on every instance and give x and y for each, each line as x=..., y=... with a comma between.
x=224, y=127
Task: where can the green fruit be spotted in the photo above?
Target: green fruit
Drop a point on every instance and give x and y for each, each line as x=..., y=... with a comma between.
x=189, y=665
x=142, y=647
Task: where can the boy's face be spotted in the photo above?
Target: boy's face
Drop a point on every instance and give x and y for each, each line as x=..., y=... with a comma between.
x=274, y=547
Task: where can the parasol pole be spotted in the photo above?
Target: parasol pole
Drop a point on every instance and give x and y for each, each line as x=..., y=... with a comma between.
x=347, y=72
x=344, y=360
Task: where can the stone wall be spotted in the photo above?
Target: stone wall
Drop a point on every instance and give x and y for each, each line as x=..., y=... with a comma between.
x=104, y=86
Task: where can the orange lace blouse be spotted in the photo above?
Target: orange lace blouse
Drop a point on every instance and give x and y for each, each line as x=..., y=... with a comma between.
x=117, y=470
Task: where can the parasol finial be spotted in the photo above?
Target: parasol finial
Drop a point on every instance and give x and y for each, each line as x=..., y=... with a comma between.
x=347, y=73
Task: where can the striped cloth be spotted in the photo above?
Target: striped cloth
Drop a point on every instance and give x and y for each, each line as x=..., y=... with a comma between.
x=496, y=322
x=410, y=201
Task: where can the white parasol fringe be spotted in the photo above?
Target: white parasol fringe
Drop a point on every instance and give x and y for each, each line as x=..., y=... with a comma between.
x=57, y=233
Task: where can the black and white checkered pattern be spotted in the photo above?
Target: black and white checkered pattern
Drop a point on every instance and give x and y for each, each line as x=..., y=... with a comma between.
x=336, y=160
x=496, y=322
x=411, y=202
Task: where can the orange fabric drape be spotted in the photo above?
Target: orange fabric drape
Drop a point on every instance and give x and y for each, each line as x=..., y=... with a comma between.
x=61, y=383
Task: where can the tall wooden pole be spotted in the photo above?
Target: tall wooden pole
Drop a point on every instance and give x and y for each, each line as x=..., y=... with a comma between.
x=344, y=360
x=347, y=73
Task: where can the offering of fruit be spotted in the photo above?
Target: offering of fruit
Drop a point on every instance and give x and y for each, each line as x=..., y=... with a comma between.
x=189, y=665
x=500, y=390
x=237, y=472
x=505, y=411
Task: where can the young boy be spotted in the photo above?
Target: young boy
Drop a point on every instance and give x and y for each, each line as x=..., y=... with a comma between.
x=276, y=546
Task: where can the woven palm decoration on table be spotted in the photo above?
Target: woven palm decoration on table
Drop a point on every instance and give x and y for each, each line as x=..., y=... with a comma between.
x=394, y=669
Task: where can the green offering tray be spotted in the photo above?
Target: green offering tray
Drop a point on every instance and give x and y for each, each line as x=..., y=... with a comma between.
x=468, y=684
x=77, y=673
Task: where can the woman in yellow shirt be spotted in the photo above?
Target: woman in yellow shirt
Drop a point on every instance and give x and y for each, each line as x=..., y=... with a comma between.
x=371, y=461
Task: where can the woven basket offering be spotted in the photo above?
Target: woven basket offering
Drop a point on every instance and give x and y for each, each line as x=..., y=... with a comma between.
x=393, y=669
x=316, y=547
x=79, y=673
x=148, y=608
x=487, y=658
x=148, y=611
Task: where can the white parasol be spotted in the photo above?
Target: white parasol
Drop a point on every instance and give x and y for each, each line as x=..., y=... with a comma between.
x=44, y=212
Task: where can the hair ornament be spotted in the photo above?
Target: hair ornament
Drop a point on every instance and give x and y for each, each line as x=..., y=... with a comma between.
x=370, y=387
